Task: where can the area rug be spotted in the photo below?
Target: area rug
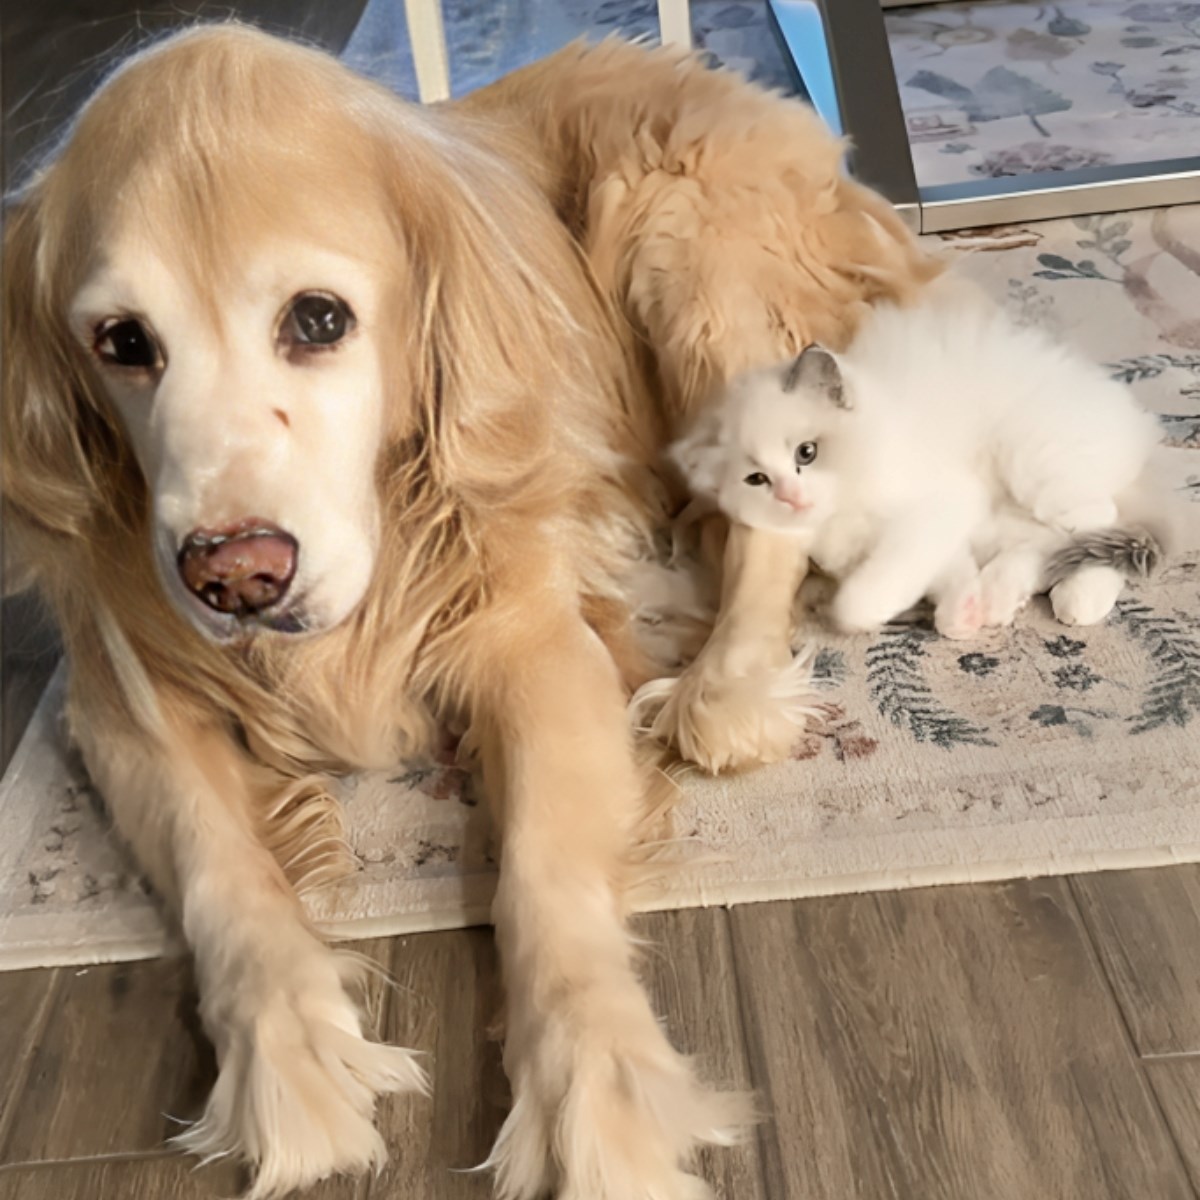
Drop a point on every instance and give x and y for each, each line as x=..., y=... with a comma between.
x=1008, y=88
x=1037, y=750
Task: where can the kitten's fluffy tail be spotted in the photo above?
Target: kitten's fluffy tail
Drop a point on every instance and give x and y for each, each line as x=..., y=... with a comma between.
x=1147, y=534
x=1135, y=553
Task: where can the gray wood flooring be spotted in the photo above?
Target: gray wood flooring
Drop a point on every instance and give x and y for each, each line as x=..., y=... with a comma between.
x=1034, y=1040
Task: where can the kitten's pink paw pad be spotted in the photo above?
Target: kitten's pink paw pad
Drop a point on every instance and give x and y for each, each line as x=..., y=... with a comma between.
x=961, y=618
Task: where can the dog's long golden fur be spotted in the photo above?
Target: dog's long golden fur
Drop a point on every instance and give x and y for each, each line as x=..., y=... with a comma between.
x=715, y=214
x=606, y=230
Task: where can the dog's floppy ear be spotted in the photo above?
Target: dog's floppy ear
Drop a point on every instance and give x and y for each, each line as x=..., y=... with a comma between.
x=816, y=370
x=58, y=444
x=509, y=325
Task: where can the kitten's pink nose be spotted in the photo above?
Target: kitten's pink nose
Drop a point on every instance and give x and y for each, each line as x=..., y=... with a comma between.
x=793, y=497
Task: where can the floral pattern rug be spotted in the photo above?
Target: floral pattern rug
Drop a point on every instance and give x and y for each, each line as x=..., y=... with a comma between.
x=1002, y=88
x=1035, y=750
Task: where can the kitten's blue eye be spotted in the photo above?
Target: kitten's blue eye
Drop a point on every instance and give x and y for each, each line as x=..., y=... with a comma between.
x=758, y=479
x=806, y=453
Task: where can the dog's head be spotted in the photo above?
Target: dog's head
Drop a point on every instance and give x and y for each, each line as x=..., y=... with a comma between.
x=246, y=274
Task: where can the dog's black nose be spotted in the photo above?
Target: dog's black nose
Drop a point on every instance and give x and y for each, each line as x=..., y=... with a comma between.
x=242, y=568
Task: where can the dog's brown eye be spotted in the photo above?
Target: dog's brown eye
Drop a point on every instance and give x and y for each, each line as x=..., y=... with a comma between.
x=317, y=319
x=127, y=343
x=758, y=479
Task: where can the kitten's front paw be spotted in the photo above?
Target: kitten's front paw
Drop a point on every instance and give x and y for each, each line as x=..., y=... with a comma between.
x=1005, y=592
x=858, y=610
x=960, y=616
x=1086, y=597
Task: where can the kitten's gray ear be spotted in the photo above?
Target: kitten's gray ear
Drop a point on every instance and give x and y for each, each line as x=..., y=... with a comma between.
x=700, y=457
x=815, y=369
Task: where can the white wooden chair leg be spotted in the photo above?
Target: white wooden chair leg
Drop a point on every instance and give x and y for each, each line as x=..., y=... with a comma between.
x=675, y=22
x=427, y=36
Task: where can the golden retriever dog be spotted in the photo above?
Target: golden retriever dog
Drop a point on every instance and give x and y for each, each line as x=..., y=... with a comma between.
x=330, y=421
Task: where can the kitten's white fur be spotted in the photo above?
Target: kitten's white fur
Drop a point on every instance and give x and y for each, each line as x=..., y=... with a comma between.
x=946, y=437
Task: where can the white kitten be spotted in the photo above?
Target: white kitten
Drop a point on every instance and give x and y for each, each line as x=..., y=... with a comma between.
x=945, y=436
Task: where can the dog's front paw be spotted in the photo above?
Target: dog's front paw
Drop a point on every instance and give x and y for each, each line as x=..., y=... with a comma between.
x=723, y=721
x=296, y=1091
x=613, y=1117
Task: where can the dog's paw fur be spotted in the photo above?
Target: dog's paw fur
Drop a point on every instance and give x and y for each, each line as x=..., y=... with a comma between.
x=621, y=1123
x=724, y=721
x=296, y=1091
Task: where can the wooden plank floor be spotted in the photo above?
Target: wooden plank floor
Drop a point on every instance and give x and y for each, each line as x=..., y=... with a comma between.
x=1034, y=1040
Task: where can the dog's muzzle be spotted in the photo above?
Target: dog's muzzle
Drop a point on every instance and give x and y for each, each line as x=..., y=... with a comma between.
x=242, y=569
